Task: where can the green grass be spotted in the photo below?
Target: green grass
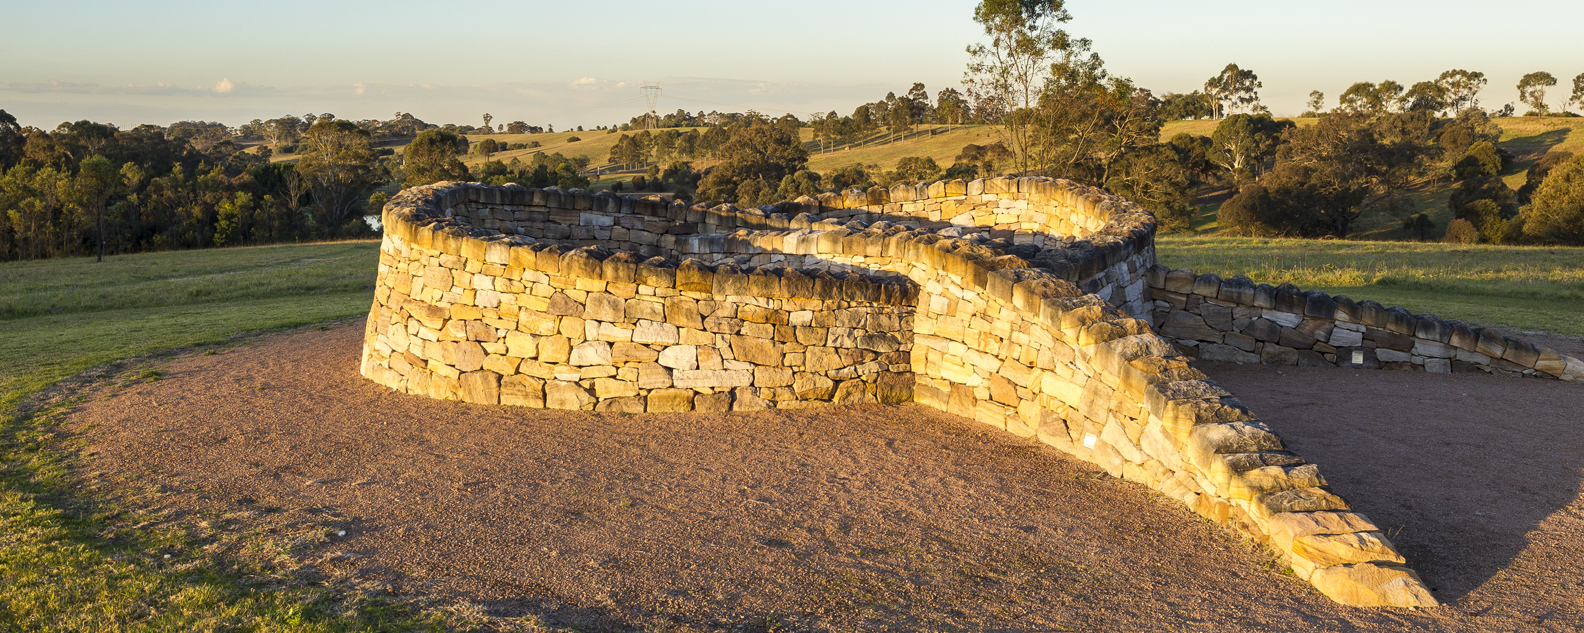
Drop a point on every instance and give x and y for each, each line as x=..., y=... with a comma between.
x=1531, y=288
x=74, y=560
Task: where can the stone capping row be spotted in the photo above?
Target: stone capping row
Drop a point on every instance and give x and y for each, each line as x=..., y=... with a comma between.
x=1441, y=339
x=1128, y=227
x=1248, y=481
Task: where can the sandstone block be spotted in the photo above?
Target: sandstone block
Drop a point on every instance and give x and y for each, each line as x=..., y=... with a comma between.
x=853, y=392
x=679, y=357
x=683, y=312
x=654, y=332
x=603, y=306
x=747, y=399
x=714, y=378
x=521, y=345
x=562, y=305
x=591, y=353
x=560, y=394
x=1325, y=550
x=1283, y=528
x=1206, y=440
x=1183, y=325
x=1306, y=500
x=554, y=349
x=522, y=391
x=895, y=388
x=712, y=402
x=670, y=400
x=758, y=351
x=629, y=404
x=812, y=386
x=822, y=359
x=1371, y=585
x=772, y=377
x=605, y=388
x=645, y=311
x=632, y=352
x=469, y=356
x=481, y=387
x=1227, y=353
x=503, y=365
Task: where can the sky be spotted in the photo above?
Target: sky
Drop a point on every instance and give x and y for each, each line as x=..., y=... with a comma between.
x=582, y=63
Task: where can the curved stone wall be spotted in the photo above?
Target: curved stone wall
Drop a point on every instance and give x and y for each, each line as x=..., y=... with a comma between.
x=1234, y=320
x=1020, y=303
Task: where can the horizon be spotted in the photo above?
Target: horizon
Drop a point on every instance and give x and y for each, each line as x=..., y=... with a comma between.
x=131, y=70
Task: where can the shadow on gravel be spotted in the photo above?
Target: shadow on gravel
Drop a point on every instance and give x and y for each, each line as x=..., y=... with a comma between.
x=1476, y=478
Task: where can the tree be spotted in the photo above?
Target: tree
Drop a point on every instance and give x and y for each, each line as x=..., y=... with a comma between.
x=1373, y=99
x=1425, y=96
x=1328, y=174
x=1248, y=211
x=96, y=180
x=432, y=157
x=1461, y=88
x=1163, y=177
x=1316, y=103
x=1243, y=143
x=757, y=151
x=1577, y=99
x=1486, y=202
x=285, y=129
x=900, y=118
x=1481, y=159
x=338, y=165
x=1557, y=213
x=11, y=140
x=1419, y=224
x=1538, y=171
x=487, y=119
x=1005, y=78
x=488, y=147
x=1236, y=87
x=517, y=127
x=1532, y=88
x=1181, y=107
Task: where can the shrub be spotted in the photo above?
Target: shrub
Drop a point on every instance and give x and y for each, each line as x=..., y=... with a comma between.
x=1557, y=213
x=639, y=184
x=1419, y=224
x=533, y=144
x=573, y=139
x=1481, y=159
x=1460, y=232
x=1537, y=173
x=1246, y=213
x=1486, y=216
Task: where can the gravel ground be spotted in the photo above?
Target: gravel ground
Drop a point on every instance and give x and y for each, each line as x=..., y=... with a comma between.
x=871, y=518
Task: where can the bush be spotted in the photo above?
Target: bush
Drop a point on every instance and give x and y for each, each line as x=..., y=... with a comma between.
x=288, y=148
x=1557, y=213
x=1246, y=213
x=639, y=184
x=1483, y=188
x=1460, y=232
x=1419, y=224
x=1537, y=173
x=573, y=139
x=1481, y=159
x=533, y=144
x=1486, y=216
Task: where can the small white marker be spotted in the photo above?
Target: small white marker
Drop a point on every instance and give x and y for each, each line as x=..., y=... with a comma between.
x=1358, y=357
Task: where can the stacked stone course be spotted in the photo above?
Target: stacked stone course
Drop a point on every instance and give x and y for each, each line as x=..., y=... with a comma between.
x=1235, y=320
x=1021, y=303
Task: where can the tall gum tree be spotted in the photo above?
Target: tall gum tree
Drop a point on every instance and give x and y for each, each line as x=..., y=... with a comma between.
x=1006, y=76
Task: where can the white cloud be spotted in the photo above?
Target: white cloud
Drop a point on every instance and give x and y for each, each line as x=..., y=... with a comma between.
x=587, y=81
x=359, y=87
x=224, y=86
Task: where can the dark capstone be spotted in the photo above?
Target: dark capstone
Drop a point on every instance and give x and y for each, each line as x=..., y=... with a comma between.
x=1239, y=290
x=1264, y=296
x=1429, y=327
x=1348, y=307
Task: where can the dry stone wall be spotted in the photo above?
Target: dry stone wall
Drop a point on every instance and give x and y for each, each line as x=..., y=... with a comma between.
x=1235, y=320
x=1021, y=303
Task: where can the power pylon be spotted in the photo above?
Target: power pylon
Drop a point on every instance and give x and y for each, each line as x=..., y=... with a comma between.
x=651, y=95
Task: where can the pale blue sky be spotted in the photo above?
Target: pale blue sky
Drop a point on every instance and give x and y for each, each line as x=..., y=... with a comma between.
x=579, y=63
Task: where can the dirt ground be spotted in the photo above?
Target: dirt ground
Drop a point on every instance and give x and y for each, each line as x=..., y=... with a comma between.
x=854, y=519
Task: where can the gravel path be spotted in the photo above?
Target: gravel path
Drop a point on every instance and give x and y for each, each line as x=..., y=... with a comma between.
x=872, y=518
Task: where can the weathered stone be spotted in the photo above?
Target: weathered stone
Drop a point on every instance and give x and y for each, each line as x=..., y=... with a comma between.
x=894, y=388
x=1283, y=528
x=591, y=353
x=683, y=312
x=772, y=377
x=712, y=402
x=679, y=357
x=683, y=378
x=670, y=401
x=853, y=392
x=1306, y=500
x=628, y=404
x=758, y=351
x=1002, y=390
x=521, y=345
x=1371, y=585
x=813, y=386
x=554, y=349
x=1346, y=338
x=469, y=356
x=654, y=332
x=1183, y=325
x=748, y=399
x=637, y=310
x=605, y=388
x=653, y=376
x=481, y=387
x=1345, y=549
x=1227, y=353
x=560, y=394
x=522, y=391
x=632, y=352
x=562, y=305
x=1206, y=440
x=822, y=359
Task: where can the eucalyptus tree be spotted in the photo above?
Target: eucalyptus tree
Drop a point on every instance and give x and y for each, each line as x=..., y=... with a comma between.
x=1006, y=77
x=338, y=166
x=1462, y=88
x=1236, y=87
x=1532, y=89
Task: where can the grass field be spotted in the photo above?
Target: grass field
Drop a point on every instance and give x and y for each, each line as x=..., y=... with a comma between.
x=72, y=560
x=1531, y=288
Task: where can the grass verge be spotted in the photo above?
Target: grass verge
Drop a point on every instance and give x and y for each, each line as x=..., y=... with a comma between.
x=74, y=556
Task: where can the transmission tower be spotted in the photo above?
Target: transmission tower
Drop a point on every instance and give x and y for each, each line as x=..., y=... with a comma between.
x=651, y=95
